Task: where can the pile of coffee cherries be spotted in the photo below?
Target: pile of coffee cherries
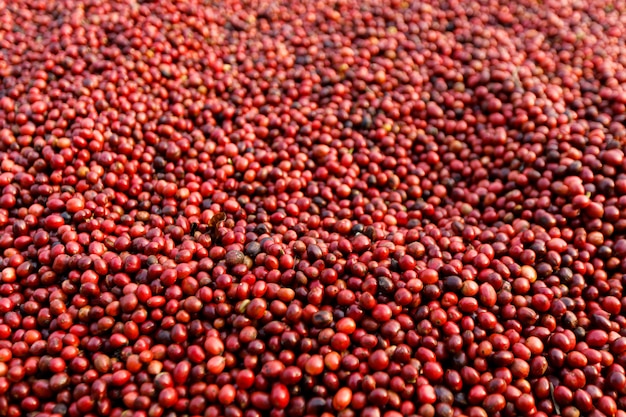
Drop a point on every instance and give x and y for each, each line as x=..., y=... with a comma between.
x=289, y=208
